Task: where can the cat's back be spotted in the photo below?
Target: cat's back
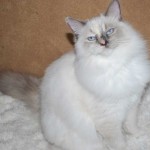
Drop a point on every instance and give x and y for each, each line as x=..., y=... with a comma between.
x=61, y=64
x=58, y=74
x=60, y=67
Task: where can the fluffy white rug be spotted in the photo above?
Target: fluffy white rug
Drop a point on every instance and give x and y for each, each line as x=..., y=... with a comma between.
x=20, y=128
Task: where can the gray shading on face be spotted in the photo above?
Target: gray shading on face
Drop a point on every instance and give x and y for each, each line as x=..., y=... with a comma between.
x=100, y=33
x=104, y=32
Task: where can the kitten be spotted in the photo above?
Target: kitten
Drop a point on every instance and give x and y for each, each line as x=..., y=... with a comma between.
x=90, y=96
x=22, y=87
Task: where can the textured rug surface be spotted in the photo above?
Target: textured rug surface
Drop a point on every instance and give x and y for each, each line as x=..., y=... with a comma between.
x=20, y=128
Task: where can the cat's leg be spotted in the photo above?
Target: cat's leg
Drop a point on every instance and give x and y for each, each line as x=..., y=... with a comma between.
x=112, y=133
x=63, y=134
x=115, y=139
x=130, y=124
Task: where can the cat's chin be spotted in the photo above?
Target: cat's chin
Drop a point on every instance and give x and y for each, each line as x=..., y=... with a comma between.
x=103, y=52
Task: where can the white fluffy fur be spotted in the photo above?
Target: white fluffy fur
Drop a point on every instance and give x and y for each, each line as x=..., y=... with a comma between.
x=19, y=128
x=90, y=97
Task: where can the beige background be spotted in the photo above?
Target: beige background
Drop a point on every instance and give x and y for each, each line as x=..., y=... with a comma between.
x=33, y=33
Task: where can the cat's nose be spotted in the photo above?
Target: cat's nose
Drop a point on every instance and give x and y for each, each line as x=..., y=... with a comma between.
x=103, y=40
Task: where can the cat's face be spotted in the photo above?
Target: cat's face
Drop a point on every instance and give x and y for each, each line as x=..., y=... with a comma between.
x=102, y=34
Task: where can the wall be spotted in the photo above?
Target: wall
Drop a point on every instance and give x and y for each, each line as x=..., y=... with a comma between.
x=33, y=33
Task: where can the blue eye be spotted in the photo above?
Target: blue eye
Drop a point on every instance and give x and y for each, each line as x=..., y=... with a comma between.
x=110, y=31
x=91, y=38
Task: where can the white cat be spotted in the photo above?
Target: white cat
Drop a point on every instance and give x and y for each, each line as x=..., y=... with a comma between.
x=90, y=96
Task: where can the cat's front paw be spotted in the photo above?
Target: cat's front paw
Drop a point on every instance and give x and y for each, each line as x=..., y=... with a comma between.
x=140, y=141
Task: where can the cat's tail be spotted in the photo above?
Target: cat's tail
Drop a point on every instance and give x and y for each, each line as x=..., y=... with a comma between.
x=22, y=87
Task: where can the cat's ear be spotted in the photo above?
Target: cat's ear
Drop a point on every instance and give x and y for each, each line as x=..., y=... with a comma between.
x=75, y=25
x=114, y=10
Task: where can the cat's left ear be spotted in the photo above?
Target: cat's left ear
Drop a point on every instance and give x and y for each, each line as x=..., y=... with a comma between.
x=114, y=10
x=75, y=25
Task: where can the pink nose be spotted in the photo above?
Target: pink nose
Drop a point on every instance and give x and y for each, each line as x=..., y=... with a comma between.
x=102, y=42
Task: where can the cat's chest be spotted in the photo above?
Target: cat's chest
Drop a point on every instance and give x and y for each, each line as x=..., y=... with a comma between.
x=107, y=79
x=110, y=79
x=104, y=107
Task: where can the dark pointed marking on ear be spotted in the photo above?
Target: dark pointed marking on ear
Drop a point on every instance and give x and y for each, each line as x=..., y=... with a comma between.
x=114, y=10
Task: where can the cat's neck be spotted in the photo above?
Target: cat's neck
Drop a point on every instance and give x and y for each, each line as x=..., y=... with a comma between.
x=100, y=73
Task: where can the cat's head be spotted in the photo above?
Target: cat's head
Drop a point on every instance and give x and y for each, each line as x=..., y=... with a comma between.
x=101, y=34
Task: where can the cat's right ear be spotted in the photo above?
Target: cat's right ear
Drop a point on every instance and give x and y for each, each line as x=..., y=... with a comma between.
x=75, y=25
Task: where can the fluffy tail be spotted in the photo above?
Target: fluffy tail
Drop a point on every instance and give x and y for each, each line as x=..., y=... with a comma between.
x=22, y=87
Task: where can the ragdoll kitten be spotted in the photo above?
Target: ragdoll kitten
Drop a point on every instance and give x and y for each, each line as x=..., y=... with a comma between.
x=90, y=96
